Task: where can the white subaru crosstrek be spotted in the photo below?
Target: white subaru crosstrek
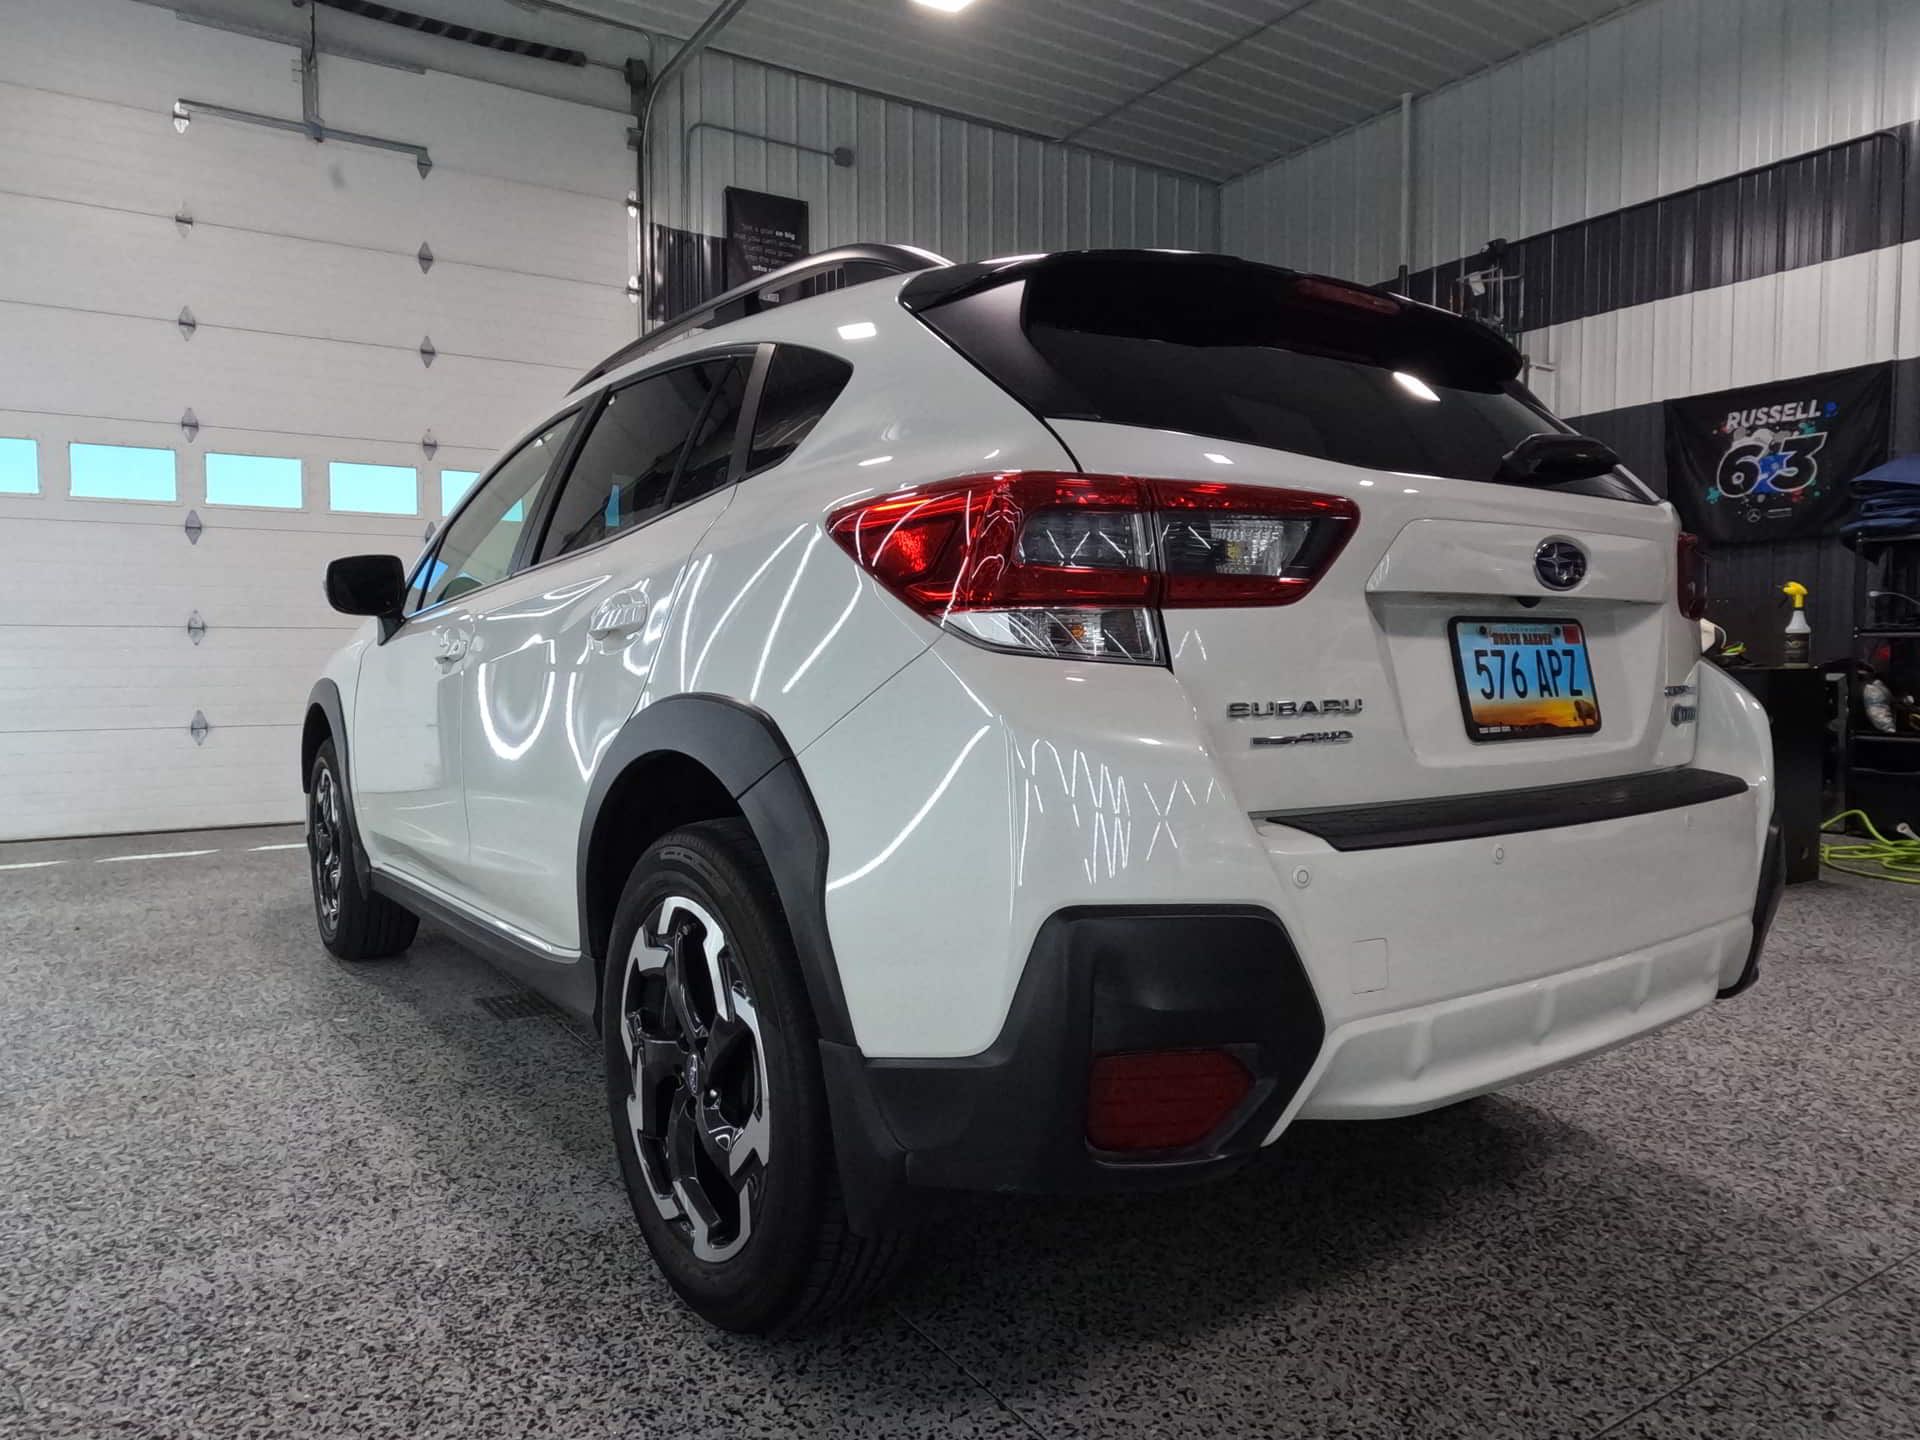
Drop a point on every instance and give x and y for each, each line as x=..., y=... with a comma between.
x=1041, y=725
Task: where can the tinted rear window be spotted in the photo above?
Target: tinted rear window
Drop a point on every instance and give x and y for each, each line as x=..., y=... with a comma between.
x=1247, y=353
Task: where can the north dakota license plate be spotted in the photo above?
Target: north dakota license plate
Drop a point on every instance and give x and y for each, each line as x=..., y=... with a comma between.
x=1524, y=679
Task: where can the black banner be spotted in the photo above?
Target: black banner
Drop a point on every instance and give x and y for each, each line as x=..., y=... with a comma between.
x=1772, y=462
x=764, y=232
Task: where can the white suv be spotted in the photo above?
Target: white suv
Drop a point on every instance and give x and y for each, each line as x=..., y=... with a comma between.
x=1043, y=724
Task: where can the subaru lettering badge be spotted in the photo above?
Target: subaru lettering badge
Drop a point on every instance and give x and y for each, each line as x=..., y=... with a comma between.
x=1560, y=564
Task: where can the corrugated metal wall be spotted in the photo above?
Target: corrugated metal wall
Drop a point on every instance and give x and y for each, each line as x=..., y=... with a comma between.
x=1662, y=97
x=918, y=176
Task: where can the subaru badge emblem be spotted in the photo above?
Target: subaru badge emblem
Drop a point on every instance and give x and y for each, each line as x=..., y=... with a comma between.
x=1560, y=564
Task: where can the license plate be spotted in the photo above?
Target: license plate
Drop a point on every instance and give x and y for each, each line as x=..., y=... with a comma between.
x=1524, y=679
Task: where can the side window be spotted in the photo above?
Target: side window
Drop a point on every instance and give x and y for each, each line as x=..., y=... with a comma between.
x=710, y=456
x=479, y=545
x=801, y=387
x=625, y=472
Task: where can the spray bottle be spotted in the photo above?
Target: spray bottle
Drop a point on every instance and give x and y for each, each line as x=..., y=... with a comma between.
x=1799, y=645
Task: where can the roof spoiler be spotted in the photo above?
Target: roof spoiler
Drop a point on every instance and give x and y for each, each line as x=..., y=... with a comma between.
x=844, y=266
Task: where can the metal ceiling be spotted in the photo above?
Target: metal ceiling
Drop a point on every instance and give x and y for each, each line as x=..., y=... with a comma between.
x=1211, y=87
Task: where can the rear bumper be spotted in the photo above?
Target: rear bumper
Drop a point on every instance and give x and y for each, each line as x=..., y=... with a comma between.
x=1401, y=979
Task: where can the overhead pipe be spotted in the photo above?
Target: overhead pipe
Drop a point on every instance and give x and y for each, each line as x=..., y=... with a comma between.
x=1406, y=188
x=642, y=134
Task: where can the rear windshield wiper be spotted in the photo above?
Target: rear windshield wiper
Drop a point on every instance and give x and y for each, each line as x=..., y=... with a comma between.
x=1544, y=459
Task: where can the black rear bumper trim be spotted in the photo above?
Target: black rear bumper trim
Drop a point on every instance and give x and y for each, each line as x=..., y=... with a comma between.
x=1508, y=812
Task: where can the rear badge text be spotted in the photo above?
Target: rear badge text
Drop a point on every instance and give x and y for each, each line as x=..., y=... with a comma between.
x=1288, y=709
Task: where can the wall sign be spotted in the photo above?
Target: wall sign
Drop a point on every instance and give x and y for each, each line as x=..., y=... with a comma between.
x=764, y=232
x=1772, y=462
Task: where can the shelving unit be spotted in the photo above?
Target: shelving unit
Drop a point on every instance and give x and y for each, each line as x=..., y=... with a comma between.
x=1882, y=770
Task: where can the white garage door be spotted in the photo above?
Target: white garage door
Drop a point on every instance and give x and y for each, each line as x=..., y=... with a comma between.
x=322, y=429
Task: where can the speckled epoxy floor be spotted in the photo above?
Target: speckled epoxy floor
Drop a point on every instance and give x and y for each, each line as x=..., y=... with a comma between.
x=248, y=1191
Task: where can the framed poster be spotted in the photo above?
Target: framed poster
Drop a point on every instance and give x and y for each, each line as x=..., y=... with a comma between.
x=764, y=232
x=1772, y=462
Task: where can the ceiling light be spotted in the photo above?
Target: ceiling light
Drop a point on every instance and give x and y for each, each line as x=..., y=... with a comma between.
x=1415, y=386
x=950, y=7
x=859, y=330
x=182, y=117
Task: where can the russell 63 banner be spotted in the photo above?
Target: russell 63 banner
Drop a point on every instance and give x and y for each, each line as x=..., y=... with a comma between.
x=1770, y=462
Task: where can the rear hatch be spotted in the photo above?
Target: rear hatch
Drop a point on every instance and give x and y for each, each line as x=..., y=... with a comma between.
x=1487, y=624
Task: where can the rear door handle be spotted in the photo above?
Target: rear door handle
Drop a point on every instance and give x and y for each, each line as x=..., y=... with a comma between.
x=453, y=648
x=619, y=615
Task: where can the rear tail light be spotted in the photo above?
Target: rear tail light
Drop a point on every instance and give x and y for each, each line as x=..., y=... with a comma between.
x=1162, y=1099
x=1077, y=566
x=1690, y=577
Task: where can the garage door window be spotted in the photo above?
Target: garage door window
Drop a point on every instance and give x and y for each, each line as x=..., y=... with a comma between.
x=373, y=489
x=454, y=485
x=268, y=481
x=19, y=467
x=121, y=472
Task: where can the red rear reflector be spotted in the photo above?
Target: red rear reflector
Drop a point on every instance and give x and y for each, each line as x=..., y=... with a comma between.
x=1162, y=1099
x=1690, y=576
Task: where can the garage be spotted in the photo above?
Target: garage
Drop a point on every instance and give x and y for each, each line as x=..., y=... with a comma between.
x=1191, y=718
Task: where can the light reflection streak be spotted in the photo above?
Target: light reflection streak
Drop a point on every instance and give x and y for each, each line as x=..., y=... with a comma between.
x=780, y=615
x=919, y=815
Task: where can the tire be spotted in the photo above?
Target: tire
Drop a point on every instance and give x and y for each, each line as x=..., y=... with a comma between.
x=355, y=923
x=715, y=1093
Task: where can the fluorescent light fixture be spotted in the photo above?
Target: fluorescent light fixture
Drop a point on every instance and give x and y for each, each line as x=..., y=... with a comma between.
x=859, y=330
x=950, y=7
x=1217, y=458
x=1415, y=386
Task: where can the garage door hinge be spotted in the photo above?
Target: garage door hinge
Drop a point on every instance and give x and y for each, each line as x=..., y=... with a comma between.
x=199, y=728
x=427, y=352
x=187, y=323
x=184, y=219
x=196, y=628
x=193, y=527
x=190, y=425
x=428, y=445
x=425, y=257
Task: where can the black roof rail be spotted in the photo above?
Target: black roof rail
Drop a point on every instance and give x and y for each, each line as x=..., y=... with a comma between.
x=763, y=292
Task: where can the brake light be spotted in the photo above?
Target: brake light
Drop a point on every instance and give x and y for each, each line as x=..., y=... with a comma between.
x=1162, y=1099
x=1078, y=566
x=1690, y=576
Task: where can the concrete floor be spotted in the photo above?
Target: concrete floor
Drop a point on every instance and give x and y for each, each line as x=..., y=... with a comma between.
x=248, y=1191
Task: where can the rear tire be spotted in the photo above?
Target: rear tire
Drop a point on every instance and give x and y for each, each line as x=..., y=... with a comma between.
x=355, y=923
x=715, y=1092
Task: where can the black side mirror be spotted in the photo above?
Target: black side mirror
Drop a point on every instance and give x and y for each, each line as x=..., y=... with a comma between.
x=368, y=585
x=1545, y=458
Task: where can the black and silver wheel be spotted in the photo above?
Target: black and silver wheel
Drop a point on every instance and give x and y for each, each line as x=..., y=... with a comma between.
x=714, y=1089
x=698, y=1107
x=354, y=923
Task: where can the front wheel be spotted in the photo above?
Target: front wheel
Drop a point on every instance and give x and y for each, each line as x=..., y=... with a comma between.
x=355, y=923
x=714, y=1088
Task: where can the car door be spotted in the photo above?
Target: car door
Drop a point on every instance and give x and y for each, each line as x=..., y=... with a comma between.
x=562, y=654
x=407, y=710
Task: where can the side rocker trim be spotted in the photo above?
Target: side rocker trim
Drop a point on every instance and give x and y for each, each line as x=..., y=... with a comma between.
x=743, y=747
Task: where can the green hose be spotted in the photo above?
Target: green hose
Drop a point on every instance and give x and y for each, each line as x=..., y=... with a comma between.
x=1878, y=858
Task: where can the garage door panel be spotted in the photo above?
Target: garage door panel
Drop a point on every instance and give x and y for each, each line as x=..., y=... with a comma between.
x=116, y=678
x=270, y=382
x=99, y=782
x=79, y=150
x=65, y=573
x=103, y=260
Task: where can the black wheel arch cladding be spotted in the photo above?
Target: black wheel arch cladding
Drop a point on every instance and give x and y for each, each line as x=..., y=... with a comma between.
x=741, y=746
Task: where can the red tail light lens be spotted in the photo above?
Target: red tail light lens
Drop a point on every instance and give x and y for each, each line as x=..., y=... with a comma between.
x=1162, y=1099
x=1690, y=576
x=1076, y=565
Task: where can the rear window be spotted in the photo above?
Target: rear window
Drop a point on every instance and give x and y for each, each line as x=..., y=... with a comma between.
x=1235, y=351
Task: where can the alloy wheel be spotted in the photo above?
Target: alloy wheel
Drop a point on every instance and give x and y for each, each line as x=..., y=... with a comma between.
x=697, y=1104
x=325, y=846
